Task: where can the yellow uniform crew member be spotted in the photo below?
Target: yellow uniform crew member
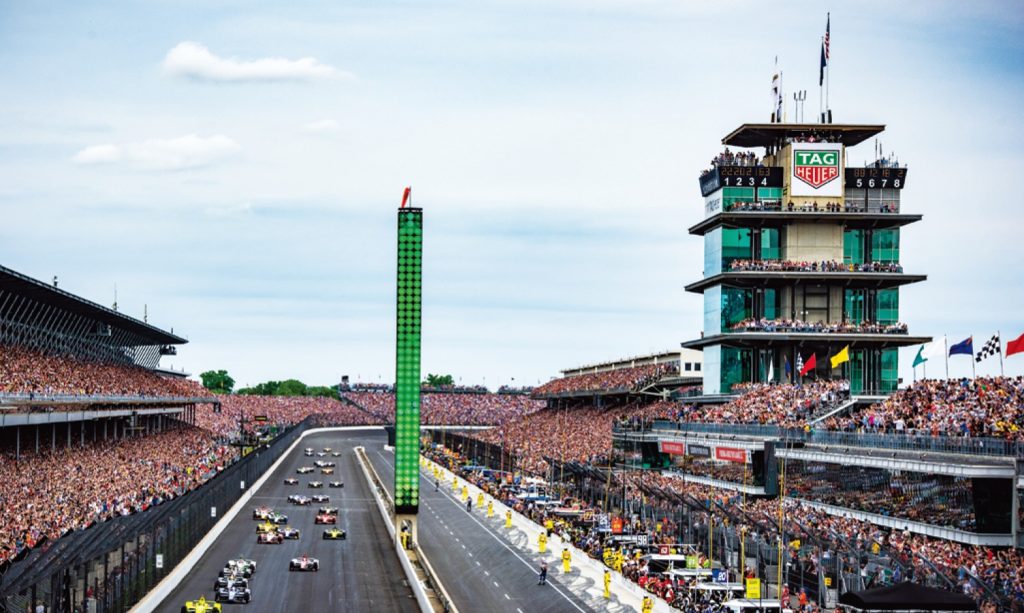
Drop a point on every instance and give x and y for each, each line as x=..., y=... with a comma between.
x=607, y=584
x=480, y=499
x=647, y=604
x=490, y=508
x=508, y=518
x=542, y=542
x=566, y=560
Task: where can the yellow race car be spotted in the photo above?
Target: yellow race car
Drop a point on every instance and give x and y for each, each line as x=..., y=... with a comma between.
x=334, y=534
x=200, y=606
x=267, y=526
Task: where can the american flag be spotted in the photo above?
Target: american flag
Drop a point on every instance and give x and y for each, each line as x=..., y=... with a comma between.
x=991, y=348
x=828, y=24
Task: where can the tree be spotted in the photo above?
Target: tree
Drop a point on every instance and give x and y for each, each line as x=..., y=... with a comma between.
x=217, y=381
x=439, y=380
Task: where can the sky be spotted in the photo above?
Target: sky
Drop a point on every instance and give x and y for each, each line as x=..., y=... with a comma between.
x=233, y=168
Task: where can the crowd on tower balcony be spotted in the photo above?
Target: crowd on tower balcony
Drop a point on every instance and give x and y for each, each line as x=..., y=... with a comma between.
x=729, y=158
x=26, y=371
x=811, y=266
x=280, y=411
x=619, y=379
x=48, y=494
x=466, y=409
x=980, y=407
x=798, y=325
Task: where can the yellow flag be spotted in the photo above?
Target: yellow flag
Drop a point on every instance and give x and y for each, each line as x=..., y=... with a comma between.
x=842, y=356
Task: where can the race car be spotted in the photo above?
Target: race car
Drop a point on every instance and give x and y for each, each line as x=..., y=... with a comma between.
x=298, y=499
x=235, y=581
x=305, y=563
x=303, y=470
x=309, y=451
x=327, y=449
x=277, y=518
x=336, y=454
x=267, y=526
x=321, y=498
x=334, y=534
x=337, y=484
x=261, y=512
x=291, y=481
x=200, y=606
x=328, y=510
x=288, y=533
x=316, y=484
x=270, y=538
x=241, y=565
x=327, y=471
x=233, y=594
x=325, y=518
x=320, y=454
x=324, y=464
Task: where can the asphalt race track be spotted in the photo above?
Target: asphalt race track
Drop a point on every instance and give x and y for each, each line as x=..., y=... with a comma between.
x=361, y=573
x=479, y=571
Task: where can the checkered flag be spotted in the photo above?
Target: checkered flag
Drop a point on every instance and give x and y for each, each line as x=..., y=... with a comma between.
x=991, y=348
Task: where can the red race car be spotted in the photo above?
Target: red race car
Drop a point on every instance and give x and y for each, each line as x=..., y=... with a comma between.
x=326, y=518
x=269, y=538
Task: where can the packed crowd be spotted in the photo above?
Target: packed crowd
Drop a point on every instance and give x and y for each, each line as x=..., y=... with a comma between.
x=800, y=266
x=787, y=405
x=566, y=435
x=984, y=406
x=477, y=409
x=24, y=371
x=619, y=379
x=758, y=205
x=798, y=325
x=511, y=389
x=54, y=492
x=278, y=411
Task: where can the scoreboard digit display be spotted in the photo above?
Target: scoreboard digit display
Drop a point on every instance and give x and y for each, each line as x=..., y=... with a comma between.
x=876, y=178
x=407, y=360
x=740, y=176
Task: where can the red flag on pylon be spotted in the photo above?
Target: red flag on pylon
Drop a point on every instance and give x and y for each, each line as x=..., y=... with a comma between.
x=406, y=196
x=809, y=365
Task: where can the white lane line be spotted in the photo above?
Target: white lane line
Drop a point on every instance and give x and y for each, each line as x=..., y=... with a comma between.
x=495, y=583
x=478, y=563
x=519, y=610
x=507, y=598
x=487, y=572
x=528, y=564
x=471, y=554
x=463, y=546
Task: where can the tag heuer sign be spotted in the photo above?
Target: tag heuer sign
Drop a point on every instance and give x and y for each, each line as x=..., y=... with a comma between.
x=816, y=167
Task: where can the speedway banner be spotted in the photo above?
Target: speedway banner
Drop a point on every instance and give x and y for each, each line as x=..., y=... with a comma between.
x=816, y=170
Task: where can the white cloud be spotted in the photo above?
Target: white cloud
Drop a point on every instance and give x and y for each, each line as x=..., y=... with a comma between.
x=181, y=153
x=324, y=126
x=192, y=60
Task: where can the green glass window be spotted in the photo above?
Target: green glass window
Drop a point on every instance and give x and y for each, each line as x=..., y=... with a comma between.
x=736, y=367
x=771, y=303
x=736, y=306
x=735, y=245
x=771, y=248
x=890, y=370
x=769, y=193
x=731, y=195
x=888, y=306
x=853, y=247
x=885, y=245
x=853, y=305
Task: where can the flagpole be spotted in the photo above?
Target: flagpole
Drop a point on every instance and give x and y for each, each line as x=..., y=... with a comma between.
x=828, y=59
x=999, y=346
x=821, y=113
x=945, y=346
x=974, y=363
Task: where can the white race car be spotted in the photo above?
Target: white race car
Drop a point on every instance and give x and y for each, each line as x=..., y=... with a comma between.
x=298, y=499
x=321, y=498
x=233, y=594
x=316, y=484
x=304, y=470
x=305, y=563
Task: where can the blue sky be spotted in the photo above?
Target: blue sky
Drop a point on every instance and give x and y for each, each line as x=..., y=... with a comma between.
x=235, y=166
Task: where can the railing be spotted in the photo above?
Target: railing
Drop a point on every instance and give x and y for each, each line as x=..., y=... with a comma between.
x=775, y=206
x=23, y=398
x=983, y=446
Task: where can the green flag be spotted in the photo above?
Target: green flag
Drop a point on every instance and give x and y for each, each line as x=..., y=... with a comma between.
x=919, y=358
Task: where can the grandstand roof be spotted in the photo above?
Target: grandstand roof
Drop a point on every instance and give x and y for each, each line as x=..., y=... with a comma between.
x=639, y=360
x=788, y=278
x=17, y=283
x=759, y=340
x=768, y=134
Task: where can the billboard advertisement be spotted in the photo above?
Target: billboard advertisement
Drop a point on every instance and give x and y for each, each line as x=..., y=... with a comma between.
x=673, y=447
x=731, y=454
x=816, y=169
